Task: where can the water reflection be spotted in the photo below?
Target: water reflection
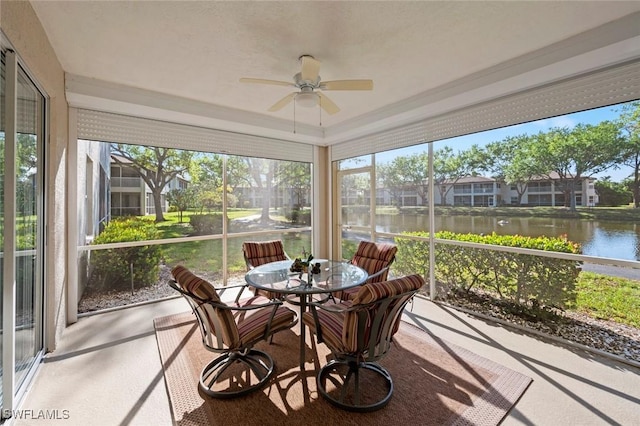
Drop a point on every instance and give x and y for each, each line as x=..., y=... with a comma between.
x=619, y=240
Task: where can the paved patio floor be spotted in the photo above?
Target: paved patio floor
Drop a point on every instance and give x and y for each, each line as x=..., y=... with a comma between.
x=106, y=371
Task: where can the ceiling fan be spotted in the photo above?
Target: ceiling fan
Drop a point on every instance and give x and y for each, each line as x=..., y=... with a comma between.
x=310, y=85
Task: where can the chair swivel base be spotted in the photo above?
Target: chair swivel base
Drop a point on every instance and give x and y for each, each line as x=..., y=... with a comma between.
x=234, y=374
x=351, y=392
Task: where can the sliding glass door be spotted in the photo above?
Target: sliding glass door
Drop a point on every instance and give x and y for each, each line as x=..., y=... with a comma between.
x=28, y=205
x=21, y=226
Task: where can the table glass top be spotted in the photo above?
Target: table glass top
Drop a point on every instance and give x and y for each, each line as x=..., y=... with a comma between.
x=334, y=276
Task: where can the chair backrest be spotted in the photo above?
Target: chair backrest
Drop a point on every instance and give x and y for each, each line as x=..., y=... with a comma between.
x=374, y=316
x=375, y=257
x=258, y=253
x=206, y=305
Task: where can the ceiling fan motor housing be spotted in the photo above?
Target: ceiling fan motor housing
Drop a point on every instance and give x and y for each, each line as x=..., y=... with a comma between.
x=302, y=84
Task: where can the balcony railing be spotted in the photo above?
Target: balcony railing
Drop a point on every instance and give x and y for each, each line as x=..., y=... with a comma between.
x=126, y=182
x=125, y=211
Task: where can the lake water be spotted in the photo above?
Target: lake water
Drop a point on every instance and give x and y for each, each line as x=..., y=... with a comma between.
x=618, y=240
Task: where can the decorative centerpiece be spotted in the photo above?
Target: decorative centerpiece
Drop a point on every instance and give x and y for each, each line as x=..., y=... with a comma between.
x=302, y=267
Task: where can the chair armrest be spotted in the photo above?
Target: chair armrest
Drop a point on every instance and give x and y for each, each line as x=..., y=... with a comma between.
x=232, y=286
x=242, y=286
x=224, y=306
x=336, y=309
x=380, y=272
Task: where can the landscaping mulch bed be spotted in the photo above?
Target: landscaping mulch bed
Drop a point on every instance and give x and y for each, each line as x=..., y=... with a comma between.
x=608, y=336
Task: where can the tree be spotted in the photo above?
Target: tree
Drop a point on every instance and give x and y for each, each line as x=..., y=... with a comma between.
x=511, y=160
x=208, y=168
x=402, y=173
x=237, y=176
x=355, y=189
x=295, y=177
x=612, y=193
x=208, y=181
x=181, y=199
x=261, y=171
x=574, y=154
x=211, y=197
x=27, y=171
x=155, y=166
x=629, y=122
x=449, y=168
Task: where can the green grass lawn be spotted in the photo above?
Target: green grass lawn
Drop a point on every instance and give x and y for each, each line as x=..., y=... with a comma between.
x=207, y=255
x=173, y=228
x=610, y=298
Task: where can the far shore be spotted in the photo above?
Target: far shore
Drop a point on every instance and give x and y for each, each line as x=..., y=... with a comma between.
x=622, y=214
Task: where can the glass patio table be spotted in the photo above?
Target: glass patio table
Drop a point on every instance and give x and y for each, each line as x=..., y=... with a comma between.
x=334, y=276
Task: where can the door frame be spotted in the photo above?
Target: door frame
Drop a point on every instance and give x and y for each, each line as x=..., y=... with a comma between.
x=337, y=213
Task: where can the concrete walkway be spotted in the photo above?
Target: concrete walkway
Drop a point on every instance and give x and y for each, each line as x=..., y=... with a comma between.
x=107, y=371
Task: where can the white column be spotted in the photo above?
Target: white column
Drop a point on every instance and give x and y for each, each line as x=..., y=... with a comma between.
x=432, y=229
x=72, y=218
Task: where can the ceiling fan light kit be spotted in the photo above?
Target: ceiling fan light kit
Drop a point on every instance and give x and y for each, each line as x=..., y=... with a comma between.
x=309, y=83
x=307, y=99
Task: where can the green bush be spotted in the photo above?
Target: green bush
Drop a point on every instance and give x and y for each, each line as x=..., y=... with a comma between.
x=206, y=224
x=111, y=268
x=531, y=280
x=298, y=216
x=349, y=248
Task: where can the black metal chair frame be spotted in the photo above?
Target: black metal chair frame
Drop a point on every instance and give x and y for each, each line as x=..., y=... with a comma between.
x=386, y=314
x=260, y=362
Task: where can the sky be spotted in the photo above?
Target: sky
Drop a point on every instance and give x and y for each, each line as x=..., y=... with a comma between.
x=593, y=117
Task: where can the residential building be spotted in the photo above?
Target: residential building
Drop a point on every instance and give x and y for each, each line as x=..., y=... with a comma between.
x=130, y=195
x=480, y=191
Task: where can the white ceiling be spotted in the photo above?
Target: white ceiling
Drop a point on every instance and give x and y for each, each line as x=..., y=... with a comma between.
x=117, y=54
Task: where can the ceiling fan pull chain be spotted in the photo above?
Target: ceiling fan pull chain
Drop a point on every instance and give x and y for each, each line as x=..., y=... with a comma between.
x=320, y=111
x=294, y=116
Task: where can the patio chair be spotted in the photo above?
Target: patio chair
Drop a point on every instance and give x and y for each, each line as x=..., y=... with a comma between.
x=358, y=336
x=376, y=259
x=232, y=330
x=258, y=253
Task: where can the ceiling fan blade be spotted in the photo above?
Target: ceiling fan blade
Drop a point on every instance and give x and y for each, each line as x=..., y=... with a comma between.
x=283, y=102
x=310, y=68
x=347, y=85
x=263, y=81
x=327, y=104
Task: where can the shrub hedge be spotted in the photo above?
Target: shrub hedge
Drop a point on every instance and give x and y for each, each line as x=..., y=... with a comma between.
x=206, y=224
x=298, y=216
x=111, y=268
x=526, y=279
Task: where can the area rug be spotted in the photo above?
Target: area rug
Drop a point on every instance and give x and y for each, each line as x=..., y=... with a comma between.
x=435, y=383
